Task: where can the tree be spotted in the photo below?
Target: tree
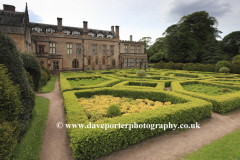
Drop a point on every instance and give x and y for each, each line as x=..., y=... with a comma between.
x=147, y=43
x=184, y=41
x=141, y=74
x=88, y=68
x=224, y=70
x=231, y=43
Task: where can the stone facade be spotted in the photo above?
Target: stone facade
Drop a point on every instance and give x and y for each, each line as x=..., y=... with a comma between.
x=62, y=48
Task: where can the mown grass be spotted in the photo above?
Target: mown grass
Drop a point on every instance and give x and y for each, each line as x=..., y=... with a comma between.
x=226, y=148
x=206, y=89
x=86, y=82
x=29, y=146
x=49, y=87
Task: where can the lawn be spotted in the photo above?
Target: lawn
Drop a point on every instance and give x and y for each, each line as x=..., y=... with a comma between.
x=226, y=148
x=86, y=82
x=29, y=147
x=49, y=87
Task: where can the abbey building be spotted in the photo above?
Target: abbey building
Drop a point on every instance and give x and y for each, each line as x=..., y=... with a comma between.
x=64, y=48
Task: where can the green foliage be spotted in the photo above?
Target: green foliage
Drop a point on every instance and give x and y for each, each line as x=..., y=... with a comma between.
x=236, y=58
x=88, y=69
x=221, y=64
x=224, y=70
x=161, y=65
x=30, y=79
x=206, y=67
x=230, y=43
x=224, y=90
x=31, y=65
x=49, y=87
x=113, y=111
x=93, y=78
x=141, y=73
x=235, y=67
x=47, y=71
x=185, y=66
x=44, y=78
x=77, y=79
x=169, y=65
x=10, y=108
x=190, y=67
x=156, y=57
x=10, y=57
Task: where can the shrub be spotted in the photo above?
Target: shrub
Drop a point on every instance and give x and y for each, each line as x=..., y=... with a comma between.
x=77, y=79
x=236, y=58
x=169, y=65
x=82, y=84
x=235, y=67
x=93, y=78
x=185, y=66
x=190, y=67
x=44, y=78
x=224, y=70
x=113, y=111
x=31, y=65
x=178, y=66
x=10, y=108
x=212, y=68
x=10, y=57
x=46, y=70
x=30, y=79
x=88, y=69
x=141, y=74
x=161, y=65
x=206, y=67
x=224, y=90
x=221, y=64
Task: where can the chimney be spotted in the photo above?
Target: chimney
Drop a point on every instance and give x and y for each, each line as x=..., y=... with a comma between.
x=117, y=31
x=112, y=29
x=59, y=26
x=131, y=38
x=85, y=28
x=7, y=7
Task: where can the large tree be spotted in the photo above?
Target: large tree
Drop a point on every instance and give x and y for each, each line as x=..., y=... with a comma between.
x=147, y=44
x=184, y=41
x=231, y=43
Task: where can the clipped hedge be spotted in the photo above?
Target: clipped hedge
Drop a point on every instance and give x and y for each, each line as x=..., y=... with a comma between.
x=221, y=104
x=90, y=143
x=221, y=64
x=46, y=70
x=10, y=107
x=10, y=57
x=31, y=65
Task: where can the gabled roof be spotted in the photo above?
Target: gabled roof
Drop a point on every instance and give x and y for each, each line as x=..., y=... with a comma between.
x=10, y=18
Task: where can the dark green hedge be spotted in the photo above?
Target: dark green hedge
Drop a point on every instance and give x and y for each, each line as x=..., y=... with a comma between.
x=10, y=57
x=10, y=107
x=47, y=71
x=31, y=65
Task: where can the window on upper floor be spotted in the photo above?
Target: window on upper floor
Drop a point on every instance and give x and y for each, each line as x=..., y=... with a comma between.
x=66, y=32
x=109, y=36
x=78, y=50
x=50, y=31
x=52, y=48
x=69, y=48
x=100, y=35
x=41, y=49
x=138, y=49
x=75, y=33
x=94, y=49
x=111, y=50
x=91, y=34
x=37, y=29
x=132, y=49
x=125, y=48
x=104, y=50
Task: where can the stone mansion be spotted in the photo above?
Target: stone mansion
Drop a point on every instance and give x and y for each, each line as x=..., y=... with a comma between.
x=64, y=48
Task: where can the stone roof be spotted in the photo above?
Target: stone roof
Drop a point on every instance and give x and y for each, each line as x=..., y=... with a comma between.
x=10, y=18
x=46, y=26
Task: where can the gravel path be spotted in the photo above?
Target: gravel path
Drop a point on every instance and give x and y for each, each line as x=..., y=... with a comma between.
x=56, y=142
x=163, y=147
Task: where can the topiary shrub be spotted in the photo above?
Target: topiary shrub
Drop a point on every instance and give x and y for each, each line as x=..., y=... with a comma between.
x=141, y=74
x=161, y=65
x=179, y=66
x=10, y=57
x=185, y=66
x=46, y=70
x=169, y=65
x=77, y=79
x=224, y=70
x=221, y=64
x=190, y=67
x=235, y=67
x=212, y=68
x=30, y=79
x=93, y=78
x=31, y=65
x=224, y=90
x=206, y=67
x=236, y=58
x=10, y=108
x=44, y=78
x=113, y=111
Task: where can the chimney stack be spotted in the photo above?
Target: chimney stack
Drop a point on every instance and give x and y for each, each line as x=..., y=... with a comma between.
x=117, y=31
x=131, y=38
x=85, y=27
x=59, y=26
x=112, y=29
x=7, y=7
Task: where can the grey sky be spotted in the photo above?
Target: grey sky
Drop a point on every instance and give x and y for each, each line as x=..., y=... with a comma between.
x=139, y=18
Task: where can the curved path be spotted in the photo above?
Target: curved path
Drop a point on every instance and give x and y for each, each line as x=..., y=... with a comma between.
x=56, y=142
x=163, y=147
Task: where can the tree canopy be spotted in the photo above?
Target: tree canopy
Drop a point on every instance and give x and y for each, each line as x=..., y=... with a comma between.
x=231, y=43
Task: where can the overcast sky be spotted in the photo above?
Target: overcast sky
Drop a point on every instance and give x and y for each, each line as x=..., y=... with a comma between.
x=140, y=18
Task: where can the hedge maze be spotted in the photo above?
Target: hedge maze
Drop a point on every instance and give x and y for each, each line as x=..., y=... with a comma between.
x=194, y=96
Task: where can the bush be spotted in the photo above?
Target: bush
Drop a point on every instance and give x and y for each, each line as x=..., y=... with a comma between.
x=235, y=67
x=178, y=66
x=113, y=111
x=169, y=65
x=236, y=58
x=44, y=78
x=31, y=65
x=185, y=66
x=10, y=57
x=30, y=79
x=46, y=70
x=93, y=78
x=77, y=79
x=198, y=67
x=212, y=68
x=206, y=67
x=161, y=65
x=190, y=67
x=221, y=64
x=10, y=108
x=224, y=90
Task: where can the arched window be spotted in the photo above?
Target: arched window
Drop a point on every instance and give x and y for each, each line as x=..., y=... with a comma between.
x=75, y=63
x=103, y=62
x=96, y=61
x=113, y=62
x=89, y=61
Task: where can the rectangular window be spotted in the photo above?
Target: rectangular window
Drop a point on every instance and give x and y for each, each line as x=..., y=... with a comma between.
x=111, y=50
x=125, y=48
x=52, y=48
x=69, y=48
x=41, y=49
x=94, y=49
x=104, y=50
x=138, y=49
x=55, y=65
x=126, y=62
x=78, y=48
x=132, y=49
